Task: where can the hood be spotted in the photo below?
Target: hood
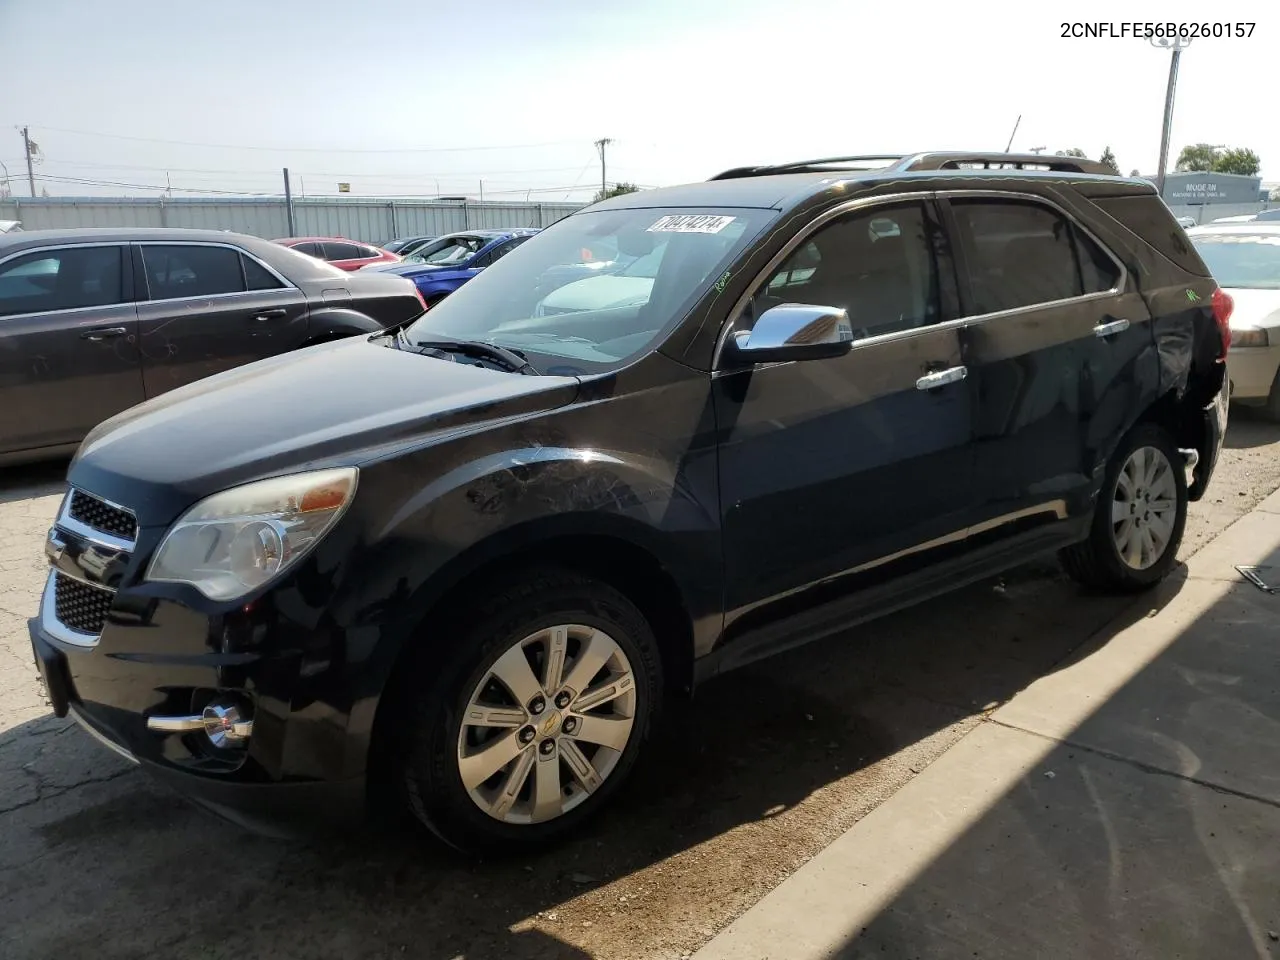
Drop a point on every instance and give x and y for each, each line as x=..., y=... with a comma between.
x=337, y=403
x=1254, y=308
x=411, y=270
x=599, y=293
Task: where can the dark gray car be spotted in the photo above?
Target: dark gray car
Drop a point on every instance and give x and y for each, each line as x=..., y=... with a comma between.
x=95, y=321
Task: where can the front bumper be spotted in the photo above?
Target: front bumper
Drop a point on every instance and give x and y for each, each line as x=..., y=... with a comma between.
x=1252, y=371
x=240, y=794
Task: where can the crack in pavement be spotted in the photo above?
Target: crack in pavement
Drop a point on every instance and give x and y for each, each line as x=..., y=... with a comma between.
x=42, y=795
x=1142, y=765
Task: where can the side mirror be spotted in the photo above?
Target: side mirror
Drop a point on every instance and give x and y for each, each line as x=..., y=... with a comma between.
x=795, y=331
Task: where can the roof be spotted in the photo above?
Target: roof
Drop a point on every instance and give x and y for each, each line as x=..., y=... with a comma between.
x=116, y=234
x=1268, y=228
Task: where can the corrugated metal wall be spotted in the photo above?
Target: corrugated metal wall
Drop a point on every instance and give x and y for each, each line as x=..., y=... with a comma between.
x=373, y=221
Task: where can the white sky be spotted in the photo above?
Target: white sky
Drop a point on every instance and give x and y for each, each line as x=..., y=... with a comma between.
x=382, y=94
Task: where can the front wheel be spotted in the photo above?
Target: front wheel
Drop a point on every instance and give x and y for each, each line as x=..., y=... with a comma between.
x=1139, y=518
x=537, y=717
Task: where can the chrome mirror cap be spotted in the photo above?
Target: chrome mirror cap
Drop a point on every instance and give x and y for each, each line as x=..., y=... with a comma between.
x=796, y=331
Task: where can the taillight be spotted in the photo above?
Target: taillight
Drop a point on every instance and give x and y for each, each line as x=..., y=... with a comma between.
x=1222, y=307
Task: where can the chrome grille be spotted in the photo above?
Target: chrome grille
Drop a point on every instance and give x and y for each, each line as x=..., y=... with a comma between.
x=100, y=515
x=79, y=606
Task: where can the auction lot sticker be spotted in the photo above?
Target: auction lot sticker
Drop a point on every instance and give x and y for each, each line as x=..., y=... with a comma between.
x=691, y=223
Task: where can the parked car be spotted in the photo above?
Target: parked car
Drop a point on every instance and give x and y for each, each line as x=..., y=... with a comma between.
x=467, y=561
x=443, y=265
x=95, y=321
x=343, y=254
x=1242, y=218
x=406, y=245
x=10, y=226
x=1186, y=222
x=1245, y=260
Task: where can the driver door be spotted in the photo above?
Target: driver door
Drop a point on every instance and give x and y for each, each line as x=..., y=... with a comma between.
x=846, y=471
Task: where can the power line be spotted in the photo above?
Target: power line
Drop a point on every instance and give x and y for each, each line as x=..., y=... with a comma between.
x=233, y=146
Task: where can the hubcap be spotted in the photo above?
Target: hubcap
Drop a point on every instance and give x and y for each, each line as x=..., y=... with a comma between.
x=547, y=724
x=1144, y=508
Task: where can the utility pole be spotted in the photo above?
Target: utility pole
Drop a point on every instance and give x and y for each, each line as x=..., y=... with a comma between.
x=288, y=202
x=1177, y=44
x=482, y=191
x=26, y=146
x=1036, y=150
x=1008, y=146
x=600, y=146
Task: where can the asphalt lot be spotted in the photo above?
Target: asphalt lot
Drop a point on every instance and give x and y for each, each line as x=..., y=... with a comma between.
x=765, y=768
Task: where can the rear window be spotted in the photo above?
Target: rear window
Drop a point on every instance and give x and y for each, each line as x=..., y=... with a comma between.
x=1149, y=218
x=1250, y=261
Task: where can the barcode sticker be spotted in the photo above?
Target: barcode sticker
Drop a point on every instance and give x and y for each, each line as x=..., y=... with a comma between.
x=691, y=223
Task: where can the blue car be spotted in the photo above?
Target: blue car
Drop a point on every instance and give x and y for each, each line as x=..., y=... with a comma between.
x=440, y=267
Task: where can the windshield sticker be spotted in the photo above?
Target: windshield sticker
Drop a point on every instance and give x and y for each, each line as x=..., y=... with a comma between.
x=690, y=223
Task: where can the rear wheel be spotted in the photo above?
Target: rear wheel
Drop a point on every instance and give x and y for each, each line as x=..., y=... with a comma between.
x=1139, y=519
x=536, y=717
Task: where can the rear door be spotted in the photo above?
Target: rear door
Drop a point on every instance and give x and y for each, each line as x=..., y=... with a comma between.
x=68, y=343
x=209, y=308
x=1055, y=349
x=831, y=468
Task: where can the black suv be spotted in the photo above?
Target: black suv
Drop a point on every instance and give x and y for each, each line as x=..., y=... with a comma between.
x=469, y=558
x=94, y=321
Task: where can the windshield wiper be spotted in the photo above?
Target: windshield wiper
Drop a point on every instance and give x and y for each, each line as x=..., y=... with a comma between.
x=512, y=360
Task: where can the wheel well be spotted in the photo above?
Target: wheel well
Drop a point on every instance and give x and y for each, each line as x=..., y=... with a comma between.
x=627, y=568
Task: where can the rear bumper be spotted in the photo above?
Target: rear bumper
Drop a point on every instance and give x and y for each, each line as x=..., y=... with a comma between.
x=1213, y=426
x=1252, y=371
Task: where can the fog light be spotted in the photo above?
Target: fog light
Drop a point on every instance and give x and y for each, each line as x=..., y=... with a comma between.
x=222, y=722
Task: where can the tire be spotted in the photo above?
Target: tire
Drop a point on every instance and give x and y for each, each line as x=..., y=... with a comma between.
x=1272, y=408
x=443, y=749
x=1100, y=562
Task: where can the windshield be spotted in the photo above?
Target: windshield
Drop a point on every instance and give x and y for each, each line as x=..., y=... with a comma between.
x=447, y=250
x=551, y=297
x=1245, y=260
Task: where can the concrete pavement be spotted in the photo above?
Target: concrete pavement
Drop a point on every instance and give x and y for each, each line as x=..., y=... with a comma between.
x=1125, y=805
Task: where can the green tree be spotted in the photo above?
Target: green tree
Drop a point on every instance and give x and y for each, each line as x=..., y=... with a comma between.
x=1108, y=159
x=1072, y=152
x=617, y=190
x=1135, y=172
x=1197, y=157
x=1239, y=160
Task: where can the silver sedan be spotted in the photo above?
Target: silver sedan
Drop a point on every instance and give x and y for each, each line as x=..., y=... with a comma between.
x=1245, y=260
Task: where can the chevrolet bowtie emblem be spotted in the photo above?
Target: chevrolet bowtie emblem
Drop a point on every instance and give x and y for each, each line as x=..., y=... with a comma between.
x=53, y=547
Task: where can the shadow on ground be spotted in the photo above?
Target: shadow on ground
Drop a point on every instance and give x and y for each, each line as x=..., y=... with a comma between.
x=1249, y=428
x=97, y=859
x=1150, y=832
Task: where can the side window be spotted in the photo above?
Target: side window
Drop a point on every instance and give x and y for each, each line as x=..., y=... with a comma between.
x=61, y=280
x=1098, y=272
x=368, y=253
x=878, y=266
x=341, y=251
x=190, y=271
x=1019, y=254
x=309, y=248
x=258, y=277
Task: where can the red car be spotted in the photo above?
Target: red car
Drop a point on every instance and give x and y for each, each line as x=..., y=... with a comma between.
x=343, y=254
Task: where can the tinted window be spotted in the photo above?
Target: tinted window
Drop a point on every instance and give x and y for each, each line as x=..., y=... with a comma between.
x=1098, y=272
x=341, y=251
x=370, y=253
x=880, y=267
x=257, y=276
x=309, y=248
x=1153, y=221
x=61, y=280
x=1019, y=254
x=188, y=271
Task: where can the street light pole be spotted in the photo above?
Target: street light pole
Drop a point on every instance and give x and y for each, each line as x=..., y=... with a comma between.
x=1177, y=45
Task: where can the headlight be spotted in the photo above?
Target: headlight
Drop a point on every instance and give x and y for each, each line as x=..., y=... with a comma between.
x=1248, y=337
x=236, y=540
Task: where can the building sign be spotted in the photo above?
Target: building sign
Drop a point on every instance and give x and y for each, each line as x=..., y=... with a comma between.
x=344, y=188
x=1210, y=188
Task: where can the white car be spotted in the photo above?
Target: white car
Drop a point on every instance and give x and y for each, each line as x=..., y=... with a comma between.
x=1245, y=260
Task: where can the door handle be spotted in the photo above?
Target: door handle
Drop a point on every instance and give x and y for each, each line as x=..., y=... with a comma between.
x=1111, y=329
x=264, y=315
x=931, y=381
x=103, y=333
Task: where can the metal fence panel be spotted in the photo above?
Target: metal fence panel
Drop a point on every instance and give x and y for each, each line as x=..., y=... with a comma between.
x=369, y=220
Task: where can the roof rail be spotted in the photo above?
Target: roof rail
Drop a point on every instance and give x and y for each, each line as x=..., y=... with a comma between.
x=997, y=161
x=936, y=160
x=824, y=165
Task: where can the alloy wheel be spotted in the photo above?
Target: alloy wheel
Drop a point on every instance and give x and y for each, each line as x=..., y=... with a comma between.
x=547, y=724
x=1144, y=508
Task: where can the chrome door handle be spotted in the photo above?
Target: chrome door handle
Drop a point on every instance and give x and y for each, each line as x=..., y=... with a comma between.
x=265, y=315
x=931, y=381
x=1111, y=329
x=103, y=333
